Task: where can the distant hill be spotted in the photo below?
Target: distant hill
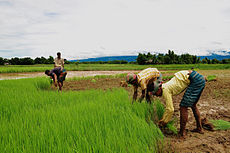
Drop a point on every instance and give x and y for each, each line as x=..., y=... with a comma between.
x=108, y=58
x=133, y=58
x=218, y=57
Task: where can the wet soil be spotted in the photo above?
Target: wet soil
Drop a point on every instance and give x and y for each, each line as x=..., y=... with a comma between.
x=214, y=104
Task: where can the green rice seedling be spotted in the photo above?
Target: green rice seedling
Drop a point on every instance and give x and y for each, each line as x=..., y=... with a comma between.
x=220, y=124
x=168, y=77
x=51, y=81
x=43, y=83
x=160, y=109
x=93, y=80
x=211, y=78
x=171, y=126
x=37, y=120
x=155, y=112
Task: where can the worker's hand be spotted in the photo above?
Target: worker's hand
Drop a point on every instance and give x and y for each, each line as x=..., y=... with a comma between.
x=135, y=96
x=140, y=99
x=206, y=79
x=133, y=101
x=161, y=124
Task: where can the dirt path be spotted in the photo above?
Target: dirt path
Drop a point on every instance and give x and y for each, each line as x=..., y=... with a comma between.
x=213, y=104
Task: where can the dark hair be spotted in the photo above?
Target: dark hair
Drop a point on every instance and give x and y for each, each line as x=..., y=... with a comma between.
x=58, y=53
x=47, y=72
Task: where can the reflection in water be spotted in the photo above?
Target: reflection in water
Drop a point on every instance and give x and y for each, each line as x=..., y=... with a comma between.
x=4, y=76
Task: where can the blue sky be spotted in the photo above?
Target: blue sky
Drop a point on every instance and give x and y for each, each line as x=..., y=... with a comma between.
x=94, y=28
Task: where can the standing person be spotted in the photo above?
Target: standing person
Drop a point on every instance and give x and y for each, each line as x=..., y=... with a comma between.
x=57, y=75
x=58, y=61
x=146, y=79
x=195, y=83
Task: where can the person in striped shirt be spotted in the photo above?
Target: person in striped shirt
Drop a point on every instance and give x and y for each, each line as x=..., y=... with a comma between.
x=149, y=80
x=194, y=84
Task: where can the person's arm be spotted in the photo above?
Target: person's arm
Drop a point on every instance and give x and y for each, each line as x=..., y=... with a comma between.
x=63, y=62
x=143, y=88
x=55, y=79
x=169, y=110
x=134, y=93
x=142, y=95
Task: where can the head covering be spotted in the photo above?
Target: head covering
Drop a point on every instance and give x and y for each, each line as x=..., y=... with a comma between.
x=158, y=83
x=131, y=77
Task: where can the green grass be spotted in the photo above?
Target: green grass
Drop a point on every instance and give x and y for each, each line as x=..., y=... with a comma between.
x=34, y=119
x=109, y=67
x=220, y=124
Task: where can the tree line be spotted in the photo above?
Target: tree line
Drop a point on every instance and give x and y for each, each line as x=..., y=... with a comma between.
x=172, y=58
x=28, y=61
x=142, y=59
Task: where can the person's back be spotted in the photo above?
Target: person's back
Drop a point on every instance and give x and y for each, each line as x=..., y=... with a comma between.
x=149, y=80
x=178, y=83
x=56, y=71
x=146, y=75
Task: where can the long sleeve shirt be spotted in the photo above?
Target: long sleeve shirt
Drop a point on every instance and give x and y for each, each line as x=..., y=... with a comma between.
x=173, y=87
x=146, y=75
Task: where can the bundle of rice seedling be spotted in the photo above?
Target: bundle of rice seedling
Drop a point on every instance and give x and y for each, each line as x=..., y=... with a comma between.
x=160, y=109
x=220, y=124
x=211, y=78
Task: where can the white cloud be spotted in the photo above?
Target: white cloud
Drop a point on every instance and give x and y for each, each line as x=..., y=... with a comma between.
x=89, y=28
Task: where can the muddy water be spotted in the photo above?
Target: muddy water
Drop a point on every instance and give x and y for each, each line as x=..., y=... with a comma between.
x=4, y=76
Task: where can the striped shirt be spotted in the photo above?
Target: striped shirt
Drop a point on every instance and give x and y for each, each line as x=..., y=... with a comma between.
x=147, y=75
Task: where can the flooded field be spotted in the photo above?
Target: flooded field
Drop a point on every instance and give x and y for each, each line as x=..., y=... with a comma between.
x=70, y=74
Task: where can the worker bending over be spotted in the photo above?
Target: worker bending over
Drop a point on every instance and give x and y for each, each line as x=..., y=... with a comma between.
x=148, y=79
x=58, y=75
x=195, y=83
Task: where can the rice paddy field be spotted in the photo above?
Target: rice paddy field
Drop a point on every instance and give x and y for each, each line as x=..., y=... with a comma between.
x=36, y=119
x=109, y=67
x=95, y=114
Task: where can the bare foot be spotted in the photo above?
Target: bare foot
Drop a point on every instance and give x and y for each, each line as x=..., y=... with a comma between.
x=198, y=131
